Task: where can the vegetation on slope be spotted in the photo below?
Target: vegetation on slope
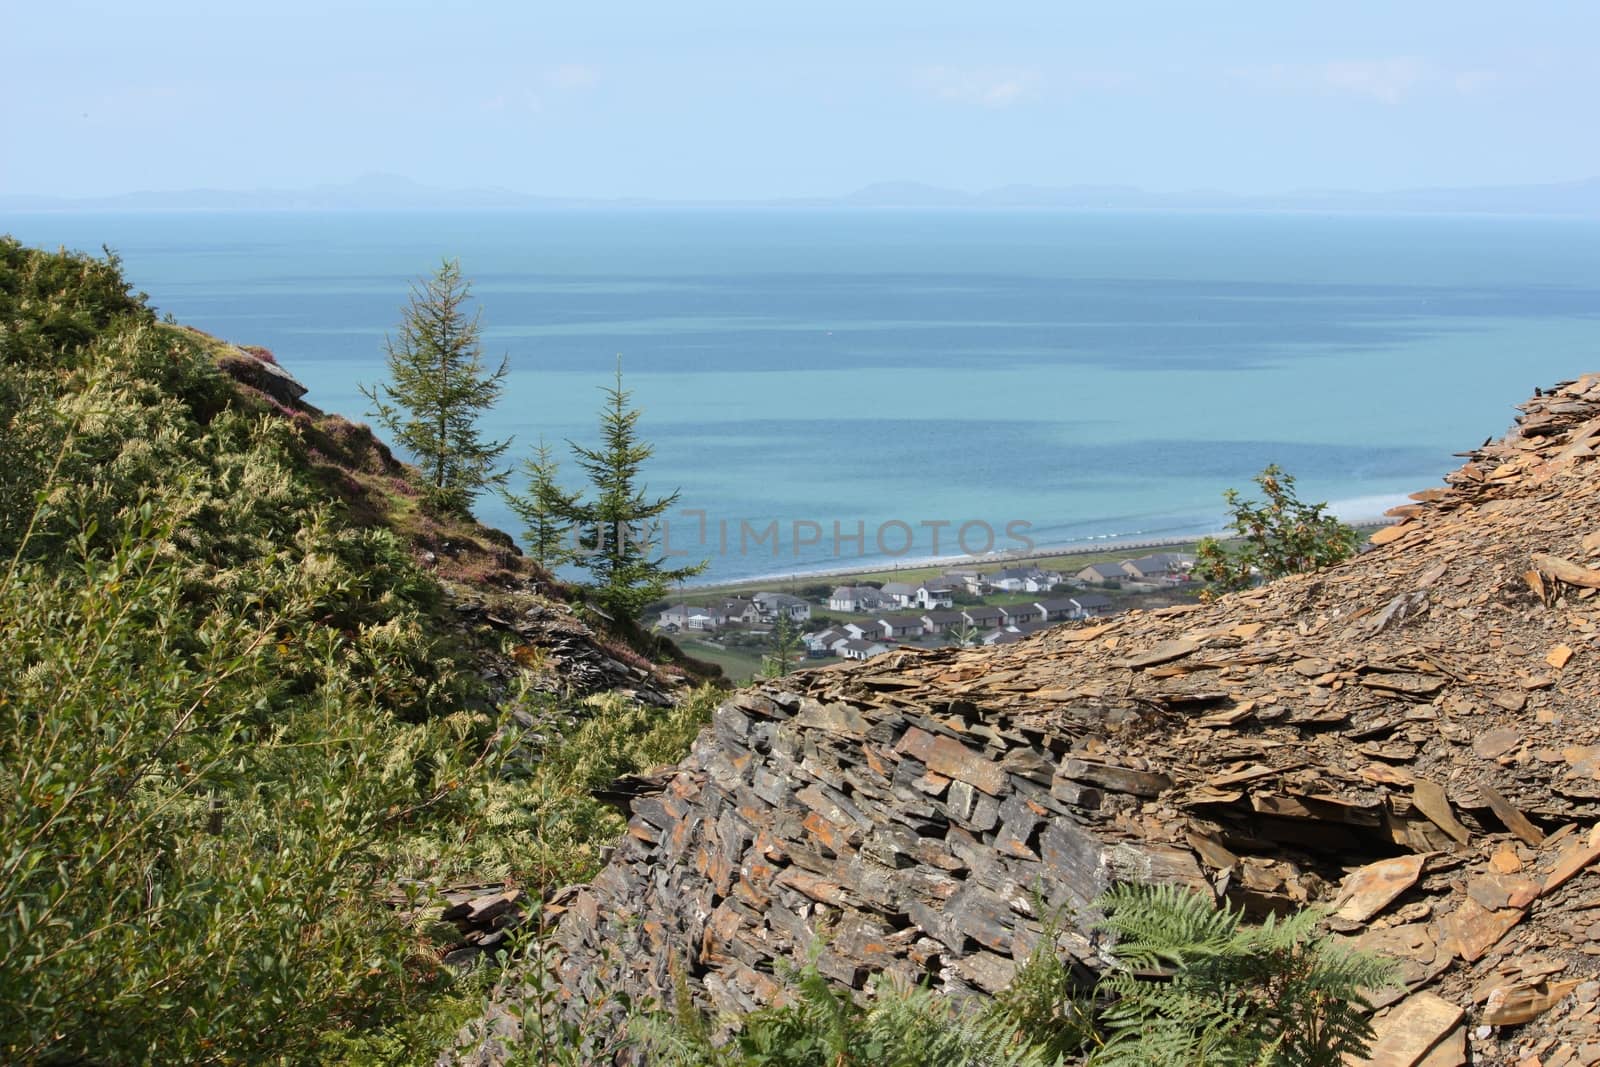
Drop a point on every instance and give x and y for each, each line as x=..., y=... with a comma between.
x=234, y=712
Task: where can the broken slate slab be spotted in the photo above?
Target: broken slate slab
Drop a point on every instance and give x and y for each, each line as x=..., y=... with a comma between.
x=1367, y=891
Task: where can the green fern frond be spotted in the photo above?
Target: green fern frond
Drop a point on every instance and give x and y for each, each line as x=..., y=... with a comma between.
x=1278, y=994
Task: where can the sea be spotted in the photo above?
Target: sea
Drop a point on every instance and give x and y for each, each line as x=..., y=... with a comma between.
x=827, y=389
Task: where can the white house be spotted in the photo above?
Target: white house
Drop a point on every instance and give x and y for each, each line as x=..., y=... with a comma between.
x=936, y=593
x=971, y=581
x=692, y=617
x=898, y=594
x=1041, y=581
x=855, y=598
x=737, y=609
x=862, y=649
x=867, y=629
x=771, y=605
x=1009, y=579
x=1024, y=580
x=825, y=642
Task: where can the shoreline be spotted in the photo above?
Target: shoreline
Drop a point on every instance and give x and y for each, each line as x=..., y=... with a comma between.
x=1077, y=548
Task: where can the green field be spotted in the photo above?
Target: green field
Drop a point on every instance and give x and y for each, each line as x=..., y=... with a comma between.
x=739, y=664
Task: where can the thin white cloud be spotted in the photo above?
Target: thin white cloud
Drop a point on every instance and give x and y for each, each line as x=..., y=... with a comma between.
x=993, y=88
x=1380, y=79
x=570, y=77
x=1386, y=80
x=547, y=86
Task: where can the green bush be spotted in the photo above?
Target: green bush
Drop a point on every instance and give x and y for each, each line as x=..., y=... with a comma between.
x=538, y=823
x=1279, y=536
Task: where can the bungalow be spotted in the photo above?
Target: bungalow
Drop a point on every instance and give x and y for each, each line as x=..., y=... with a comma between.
x=855, y=598
x=982, y=617
x=824, y=642
x=1031, y=626
x=1041, y=581
x=971, y=581
x=737, y=610
x=1159, y=565
x=901, y=626
x=1101, y=574
x=1060, y=609
x=771, y=605
x=866, y=629
x=1008, y=579
x=862, y=649
x=898, y=594
x=1001, y=637
x=680, y=617
x=938, y=623
x=1017, y=613
x=1024, y=580
x=1090, y=606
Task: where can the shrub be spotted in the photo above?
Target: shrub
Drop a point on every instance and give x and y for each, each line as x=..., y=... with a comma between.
x=1279, y=536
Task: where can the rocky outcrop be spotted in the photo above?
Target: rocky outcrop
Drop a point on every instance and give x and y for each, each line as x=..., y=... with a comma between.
x=260, y=373
x=1411, y=738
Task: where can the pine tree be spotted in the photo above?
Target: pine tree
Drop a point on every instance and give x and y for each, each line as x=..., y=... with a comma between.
x=546, y=510
x=785, y=645
x=438, y=389
x=618, y=529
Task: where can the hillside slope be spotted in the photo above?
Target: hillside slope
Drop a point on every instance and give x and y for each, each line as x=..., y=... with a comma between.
x=1411, y=737
x=259, y=709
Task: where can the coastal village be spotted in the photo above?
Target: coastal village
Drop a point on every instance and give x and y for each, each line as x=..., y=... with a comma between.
x=970, y=607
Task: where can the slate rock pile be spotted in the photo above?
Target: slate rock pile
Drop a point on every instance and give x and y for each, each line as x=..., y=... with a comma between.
x=572, y=659
x=1411, y=739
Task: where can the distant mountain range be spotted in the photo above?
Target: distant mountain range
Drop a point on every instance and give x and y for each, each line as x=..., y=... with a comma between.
x=380, y=192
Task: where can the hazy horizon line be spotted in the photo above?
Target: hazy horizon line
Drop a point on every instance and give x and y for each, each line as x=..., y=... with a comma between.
x=887, y=192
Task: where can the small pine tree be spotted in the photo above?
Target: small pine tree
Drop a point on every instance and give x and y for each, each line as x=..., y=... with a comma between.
x=1279, y=536
x=438, y=389
x=546, y=510
x=965, y=636
x=785, y=644
x=618, y=529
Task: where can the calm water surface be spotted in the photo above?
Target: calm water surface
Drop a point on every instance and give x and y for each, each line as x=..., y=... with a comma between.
x=1092, y=376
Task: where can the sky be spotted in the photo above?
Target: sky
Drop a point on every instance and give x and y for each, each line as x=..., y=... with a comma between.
x=707, y=99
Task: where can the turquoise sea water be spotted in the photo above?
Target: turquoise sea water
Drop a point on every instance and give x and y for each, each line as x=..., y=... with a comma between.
x=1091, y=376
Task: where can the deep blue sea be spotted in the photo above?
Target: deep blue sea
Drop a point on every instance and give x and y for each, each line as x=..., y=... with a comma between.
x=1092, y=376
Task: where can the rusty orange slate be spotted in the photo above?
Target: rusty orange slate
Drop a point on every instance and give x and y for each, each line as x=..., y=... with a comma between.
x=1370, y=889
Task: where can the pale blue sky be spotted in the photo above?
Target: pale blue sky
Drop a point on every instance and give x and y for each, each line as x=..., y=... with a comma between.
x=748, y=99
